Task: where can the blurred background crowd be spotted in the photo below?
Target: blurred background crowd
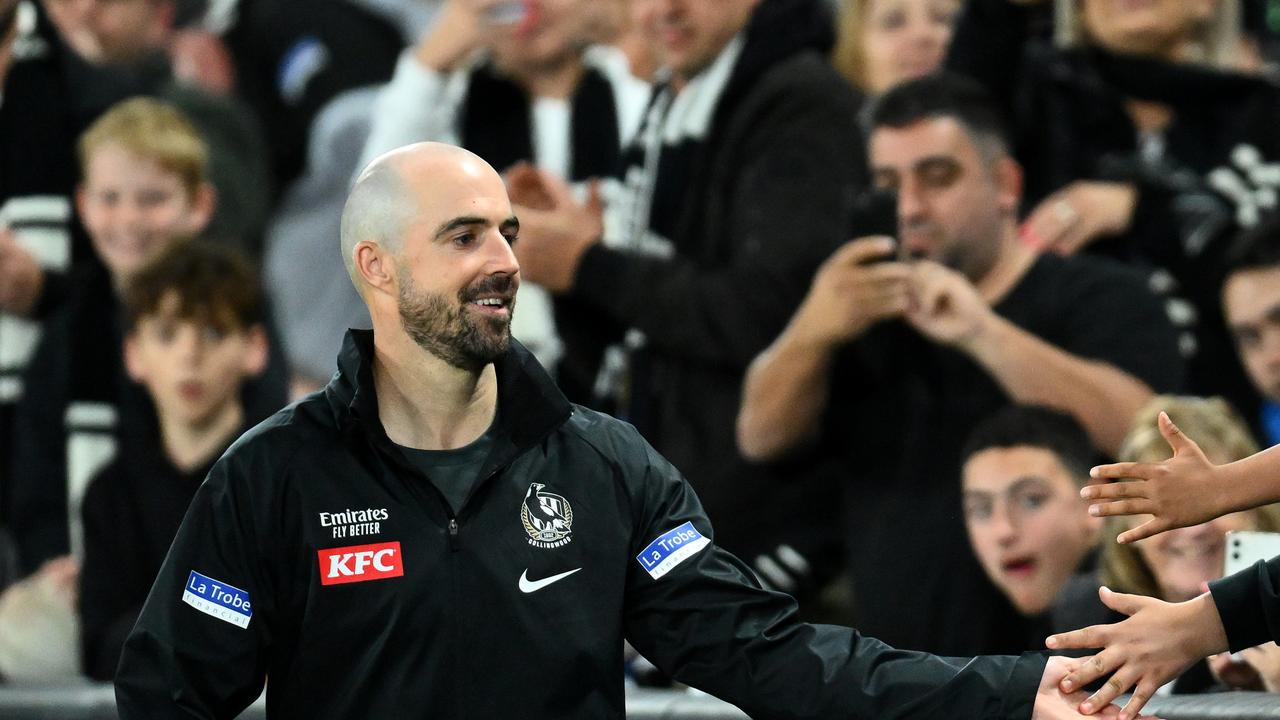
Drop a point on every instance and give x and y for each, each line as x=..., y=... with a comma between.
x=1082, y=196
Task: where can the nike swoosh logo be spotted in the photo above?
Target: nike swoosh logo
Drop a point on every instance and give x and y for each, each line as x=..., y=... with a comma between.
x=528, y=586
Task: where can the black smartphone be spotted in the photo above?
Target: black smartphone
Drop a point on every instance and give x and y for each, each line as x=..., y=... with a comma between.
x=875, y=212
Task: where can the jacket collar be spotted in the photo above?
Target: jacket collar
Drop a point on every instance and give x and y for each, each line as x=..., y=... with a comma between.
x=531, y=406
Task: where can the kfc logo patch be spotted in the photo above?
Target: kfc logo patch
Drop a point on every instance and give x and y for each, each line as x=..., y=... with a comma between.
x=359, y=563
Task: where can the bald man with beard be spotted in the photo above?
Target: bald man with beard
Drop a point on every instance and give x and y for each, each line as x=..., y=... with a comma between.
x=439, y=533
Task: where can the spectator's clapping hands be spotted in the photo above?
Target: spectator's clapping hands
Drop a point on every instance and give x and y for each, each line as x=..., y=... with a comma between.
x=1079, y=214
x=1182, y=491
x=852, y=291
x=528, y=187
x=21, y=277
x=1157, y=642
x=555, y=229
x=946, y=307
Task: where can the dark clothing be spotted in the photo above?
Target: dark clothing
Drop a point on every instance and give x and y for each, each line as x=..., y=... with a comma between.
x=293, y=56
x=435, y=621
x=80, y=408
x=455, y=473
x=131, y=512
x=44, y=106
x=746, y=212
x=1202, y=178
x=1249, y=605
x=900, y=410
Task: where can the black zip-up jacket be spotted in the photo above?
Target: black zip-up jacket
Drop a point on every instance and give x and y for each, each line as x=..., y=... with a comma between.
x=515, y=607
x=1249, y=604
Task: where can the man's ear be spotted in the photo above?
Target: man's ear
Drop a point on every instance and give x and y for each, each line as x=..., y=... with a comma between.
x=132, y=358
x=1009, y=178
x=375, y=266
x=257, y=351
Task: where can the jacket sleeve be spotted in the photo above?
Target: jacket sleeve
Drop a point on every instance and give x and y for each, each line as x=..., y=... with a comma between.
x=201, y=645
x=796, y=173
x=108, y=601
x=1249, y=604
x=38, y=470
x=695, y=611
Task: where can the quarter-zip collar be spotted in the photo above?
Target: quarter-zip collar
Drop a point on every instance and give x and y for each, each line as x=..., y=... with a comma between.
x=531, y=404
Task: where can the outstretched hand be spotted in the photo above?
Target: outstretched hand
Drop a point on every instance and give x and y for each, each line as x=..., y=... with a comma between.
x=1155, y=644
x=1182, y=491
x=1052, y=703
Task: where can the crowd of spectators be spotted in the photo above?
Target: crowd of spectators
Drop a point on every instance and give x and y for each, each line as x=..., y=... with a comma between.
x=889, y=419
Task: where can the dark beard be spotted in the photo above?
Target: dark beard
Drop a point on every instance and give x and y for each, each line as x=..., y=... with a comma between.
x=450, y=332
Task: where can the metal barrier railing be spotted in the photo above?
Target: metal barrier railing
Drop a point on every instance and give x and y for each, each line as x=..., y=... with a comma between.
x=97, y=702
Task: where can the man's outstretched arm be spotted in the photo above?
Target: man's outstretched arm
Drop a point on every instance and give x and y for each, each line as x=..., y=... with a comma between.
x=696, y=612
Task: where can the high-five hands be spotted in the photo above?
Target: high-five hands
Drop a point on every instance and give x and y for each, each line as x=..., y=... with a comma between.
x=1053, y=703
x=1155, y=644
x=1182, y=491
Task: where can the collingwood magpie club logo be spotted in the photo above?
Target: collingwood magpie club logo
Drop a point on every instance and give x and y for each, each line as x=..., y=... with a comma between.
x=547, y=518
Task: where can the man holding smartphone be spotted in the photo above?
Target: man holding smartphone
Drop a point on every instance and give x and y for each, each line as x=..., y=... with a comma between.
x=888, y=363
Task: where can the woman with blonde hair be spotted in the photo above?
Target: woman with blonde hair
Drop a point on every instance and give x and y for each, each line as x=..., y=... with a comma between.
x=880, y=43
x=1174, y=566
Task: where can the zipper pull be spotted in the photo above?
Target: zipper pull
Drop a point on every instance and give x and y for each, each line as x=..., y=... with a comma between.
x=453, y=533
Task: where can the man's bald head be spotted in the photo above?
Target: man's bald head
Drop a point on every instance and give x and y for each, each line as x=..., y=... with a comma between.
x=388, y=195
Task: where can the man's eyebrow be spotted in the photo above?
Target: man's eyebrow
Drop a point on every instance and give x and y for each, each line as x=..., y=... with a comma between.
x=511, y=224
x=922, y=164
x=460, y=222
x=935, y=161
x=1026, y=481
x=1273, y=313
